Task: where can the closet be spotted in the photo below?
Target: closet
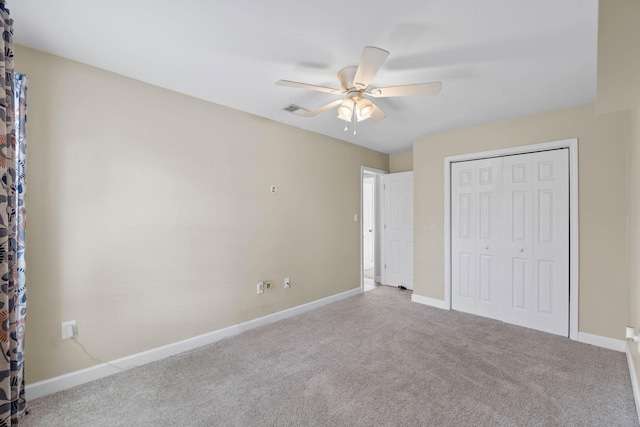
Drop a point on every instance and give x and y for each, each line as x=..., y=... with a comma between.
x=510, y=239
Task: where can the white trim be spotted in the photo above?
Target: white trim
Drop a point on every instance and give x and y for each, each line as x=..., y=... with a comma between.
x=437, y=303
x=574, y=230
x=447, y=232
x=373, y=171
x=380, y=258
x=574, y=239
x=634, y=378
x=583, y=337
x=604, y=342
x=72, y=379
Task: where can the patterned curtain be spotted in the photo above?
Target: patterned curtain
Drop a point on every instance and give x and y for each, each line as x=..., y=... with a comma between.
x=12, y=216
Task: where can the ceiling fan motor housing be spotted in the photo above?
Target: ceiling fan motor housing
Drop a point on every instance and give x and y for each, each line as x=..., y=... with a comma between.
x=346, y=76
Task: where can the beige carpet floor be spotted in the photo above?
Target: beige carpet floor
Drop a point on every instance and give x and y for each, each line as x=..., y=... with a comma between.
x=371, y=360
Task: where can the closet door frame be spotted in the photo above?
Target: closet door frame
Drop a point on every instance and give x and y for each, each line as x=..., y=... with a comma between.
x=574, y=247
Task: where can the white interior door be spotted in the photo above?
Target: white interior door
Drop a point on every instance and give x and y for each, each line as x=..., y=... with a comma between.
x=510, y=239
x=398, y=230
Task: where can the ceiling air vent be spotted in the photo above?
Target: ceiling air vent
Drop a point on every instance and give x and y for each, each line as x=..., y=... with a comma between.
x=296, y=109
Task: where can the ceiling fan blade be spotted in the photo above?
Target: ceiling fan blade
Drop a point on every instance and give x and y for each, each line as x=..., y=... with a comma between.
x=370, y=62
x=416, y=89
x=378, y=114
x=299, y=85
x=323, y=108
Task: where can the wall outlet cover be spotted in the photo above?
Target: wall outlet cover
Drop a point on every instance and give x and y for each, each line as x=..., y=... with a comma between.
x=69, y=329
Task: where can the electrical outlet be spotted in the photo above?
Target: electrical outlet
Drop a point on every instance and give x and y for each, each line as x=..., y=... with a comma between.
x=69, y=329
x=267, y=285
x=260, y=287
x=287, y=282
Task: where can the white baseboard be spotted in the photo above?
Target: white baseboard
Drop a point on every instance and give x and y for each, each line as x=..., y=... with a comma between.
x=634, y=378
x=72, y=379
x=600, y=341
x=428, y=301
x=597, y=340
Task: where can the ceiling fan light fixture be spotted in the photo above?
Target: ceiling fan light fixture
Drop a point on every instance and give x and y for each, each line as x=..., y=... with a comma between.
x=354, y=83
x=364, y=108
x=345, y=110
x=360, y=118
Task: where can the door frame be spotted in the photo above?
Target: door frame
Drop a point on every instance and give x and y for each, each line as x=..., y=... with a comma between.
x=379, y=213
x=574, y=247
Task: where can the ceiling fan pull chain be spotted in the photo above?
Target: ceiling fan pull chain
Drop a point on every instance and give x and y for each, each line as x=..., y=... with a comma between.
x=355, y=122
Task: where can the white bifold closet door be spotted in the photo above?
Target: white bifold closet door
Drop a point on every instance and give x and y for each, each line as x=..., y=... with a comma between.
x=510, y=239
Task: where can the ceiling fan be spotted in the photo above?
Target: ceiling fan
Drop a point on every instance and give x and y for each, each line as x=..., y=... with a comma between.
x=354, y=106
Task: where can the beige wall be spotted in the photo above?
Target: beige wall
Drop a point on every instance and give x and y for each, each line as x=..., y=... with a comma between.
x=619, y=89
x=150, y=218
x=633, y=161
x=603, y=203
x=401, y=162
x=618, y=55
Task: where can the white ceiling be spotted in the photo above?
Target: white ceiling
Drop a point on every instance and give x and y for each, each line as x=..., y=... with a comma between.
x=496, y=59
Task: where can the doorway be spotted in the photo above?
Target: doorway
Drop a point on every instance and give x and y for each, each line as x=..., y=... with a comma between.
x=371, y=220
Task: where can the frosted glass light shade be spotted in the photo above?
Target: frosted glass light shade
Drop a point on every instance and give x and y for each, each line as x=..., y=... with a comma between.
x=364, y=107
x=345, y=110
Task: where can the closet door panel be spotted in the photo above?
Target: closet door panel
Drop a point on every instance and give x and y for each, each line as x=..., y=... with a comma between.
x=488, y=238
x=551, y=242
x=537, y=244
x=463, y=236
x=517, y=265
x=475, y=218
